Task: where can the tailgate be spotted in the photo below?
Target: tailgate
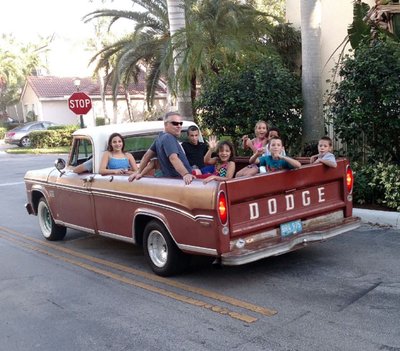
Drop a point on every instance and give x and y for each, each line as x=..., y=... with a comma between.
x=264, y=202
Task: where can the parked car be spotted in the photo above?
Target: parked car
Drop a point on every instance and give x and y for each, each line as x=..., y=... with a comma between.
x=20, y=135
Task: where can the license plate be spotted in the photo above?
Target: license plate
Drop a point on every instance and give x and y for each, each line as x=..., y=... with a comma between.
x=291, y=228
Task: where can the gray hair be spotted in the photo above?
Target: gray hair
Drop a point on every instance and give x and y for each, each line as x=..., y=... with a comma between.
x=169, y=114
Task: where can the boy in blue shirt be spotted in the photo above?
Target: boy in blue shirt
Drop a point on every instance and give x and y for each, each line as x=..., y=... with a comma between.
x=276, y=161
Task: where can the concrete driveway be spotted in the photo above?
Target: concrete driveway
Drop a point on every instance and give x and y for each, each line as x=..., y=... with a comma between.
x=4, y=146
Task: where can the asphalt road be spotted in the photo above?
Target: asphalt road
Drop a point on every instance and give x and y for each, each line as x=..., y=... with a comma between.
x=92, y=293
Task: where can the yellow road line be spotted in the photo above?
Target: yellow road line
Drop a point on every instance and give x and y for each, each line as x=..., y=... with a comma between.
x=199, y=291
x=164, y=292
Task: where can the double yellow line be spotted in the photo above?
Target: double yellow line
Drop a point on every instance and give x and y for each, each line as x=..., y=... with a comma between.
x=25, y=241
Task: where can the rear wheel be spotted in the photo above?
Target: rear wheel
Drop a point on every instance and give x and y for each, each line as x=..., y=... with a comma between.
x=163, y=255
x=50, y=230
x=25, y=142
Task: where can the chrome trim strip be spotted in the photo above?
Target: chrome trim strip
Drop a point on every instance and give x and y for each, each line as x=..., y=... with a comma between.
x=73, y=226
x=117, y=237
x=198, y=249
x=40, y=185
x=157, y=205
x=130, y=199
x=247, y=256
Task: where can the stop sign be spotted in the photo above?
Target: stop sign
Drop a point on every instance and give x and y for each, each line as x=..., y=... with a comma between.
x=79, y=103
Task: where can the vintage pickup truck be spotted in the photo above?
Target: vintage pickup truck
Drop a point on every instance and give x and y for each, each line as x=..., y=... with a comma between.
x=235, y=221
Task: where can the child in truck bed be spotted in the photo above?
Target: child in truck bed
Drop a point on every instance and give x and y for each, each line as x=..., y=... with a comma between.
x=276, y=161
x=252, y=168
x=260, y=140
x=325, y=154
x=224, y=164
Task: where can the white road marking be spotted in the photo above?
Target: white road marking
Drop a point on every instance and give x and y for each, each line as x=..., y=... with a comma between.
x=8, y=184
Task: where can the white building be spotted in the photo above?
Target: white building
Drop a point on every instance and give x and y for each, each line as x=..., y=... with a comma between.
x=334, y=17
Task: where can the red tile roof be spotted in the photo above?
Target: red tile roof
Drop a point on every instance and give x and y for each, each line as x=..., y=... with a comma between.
x=53, y=87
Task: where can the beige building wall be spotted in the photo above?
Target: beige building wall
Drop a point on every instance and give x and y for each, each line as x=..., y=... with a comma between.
x=336, y=16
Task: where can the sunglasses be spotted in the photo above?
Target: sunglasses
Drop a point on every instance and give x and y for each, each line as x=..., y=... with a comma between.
x=174, y=123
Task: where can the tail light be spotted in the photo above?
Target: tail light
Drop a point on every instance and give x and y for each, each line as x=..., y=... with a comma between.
x=222, y=208
x=10, y=134
x=349, y=179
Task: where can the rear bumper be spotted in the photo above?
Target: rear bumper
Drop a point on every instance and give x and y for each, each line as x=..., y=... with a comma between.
x=11, y=141
x=265, y=248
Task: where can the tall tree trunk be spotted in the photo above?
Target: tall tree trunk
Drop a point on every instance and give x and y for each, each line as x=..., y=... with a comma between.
x=313, y=119
x=100, y=79
x=128, y=104
x=115, y=111
x=176, y=17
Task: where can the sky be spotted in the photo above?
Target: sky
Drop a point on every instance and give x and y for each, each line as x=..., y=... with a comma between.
x=27, y=20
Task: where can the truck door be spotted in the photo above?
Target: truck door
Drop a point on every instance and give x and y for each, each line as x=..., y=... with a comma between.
x=74, y=201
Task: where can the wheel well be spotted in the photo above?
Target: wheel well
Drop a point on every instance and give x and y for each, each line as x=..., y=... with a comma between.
x=140, y=224
x=36, y=196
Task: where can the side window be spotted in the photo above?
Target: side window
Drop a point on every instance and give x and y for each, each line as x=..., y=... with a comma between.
x=137, y=145
x=81, y=151
x=35, y=127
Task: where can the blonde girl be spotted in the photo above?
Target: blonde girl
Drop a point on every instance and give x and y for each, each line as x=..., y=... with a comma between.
x=260, y=140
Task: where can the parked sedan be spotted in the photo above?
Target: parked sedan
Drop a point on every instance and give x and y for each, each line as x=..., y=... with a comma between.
x=20, y=135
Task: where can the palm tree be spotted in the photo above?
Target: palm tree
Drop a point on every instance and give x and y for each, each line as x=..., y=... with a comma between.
x=147, y=45
x=17, y=60
x=176, y=17
x=313, y=121
x=218, y=33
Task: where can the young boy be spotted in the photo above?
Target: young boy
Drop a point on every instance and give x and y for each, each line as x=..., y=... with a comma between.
x=194, y=149
x=325, y=155
x=276, y=161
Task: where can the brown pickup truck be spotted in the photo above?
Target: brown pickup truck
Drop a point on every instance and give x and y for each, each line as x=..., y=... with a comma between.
x=235, y=221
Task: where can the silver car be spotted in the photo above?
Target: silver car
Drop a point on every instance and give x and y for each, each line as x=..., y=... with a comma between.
x=20, y=135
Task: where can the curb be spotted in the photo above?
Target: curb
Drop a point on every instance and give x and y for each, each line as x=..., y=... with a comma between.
x=385, y=218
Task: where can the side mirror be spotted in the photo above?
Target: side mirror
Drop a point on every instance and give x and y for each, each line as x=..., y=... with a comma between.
x=60, y=165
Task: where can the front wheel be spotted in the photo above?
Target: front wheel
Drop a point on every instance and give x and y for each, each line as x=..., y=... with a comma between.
x=25, y=142
x=50, y=230
x=163, y=255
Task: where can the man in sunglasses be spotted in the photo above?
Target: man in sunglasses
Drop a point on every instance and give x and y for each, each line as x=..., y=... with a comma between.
x=171, y=157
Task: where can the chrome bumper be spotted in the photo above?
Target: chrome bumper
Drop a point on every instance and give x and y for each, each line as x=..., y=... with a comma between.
x=265, y=248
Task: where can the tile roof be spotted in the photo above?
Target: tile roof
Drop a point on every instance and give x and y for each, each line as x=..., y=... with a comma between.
x=53, y=87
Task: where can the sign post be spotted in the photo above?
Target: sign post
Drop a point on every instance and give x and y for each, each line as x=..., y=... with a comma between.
x=80, y=104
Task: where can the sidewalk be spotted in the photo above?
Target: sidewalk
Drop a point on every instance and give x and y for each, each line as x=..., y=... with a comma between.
x=384, y=218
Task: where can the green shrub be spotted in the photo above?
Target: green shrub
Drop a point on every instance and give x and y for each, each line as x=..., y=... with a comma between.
x=377, y=184
x=2, y=132
x=365, y=106
x=100, y=121
x=53, y=137
x=231, y=103
x=387, y=179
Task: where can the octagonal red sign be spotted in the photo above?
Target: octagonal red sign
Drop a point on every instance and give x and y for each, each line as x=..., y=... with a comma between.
x=79, y=103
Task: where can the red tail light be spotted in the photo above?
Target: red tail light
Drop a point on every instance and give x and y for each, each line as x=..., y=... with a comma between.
x=10, y=134
x=222, y=208
x=349, y=179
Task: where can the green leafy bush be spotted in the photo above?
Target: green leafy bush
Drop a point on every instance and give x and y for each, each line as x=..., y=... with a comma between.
x=231, y=103
x=377, y=184
x=2, y=132
x=365, y=107
x=53, y=137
